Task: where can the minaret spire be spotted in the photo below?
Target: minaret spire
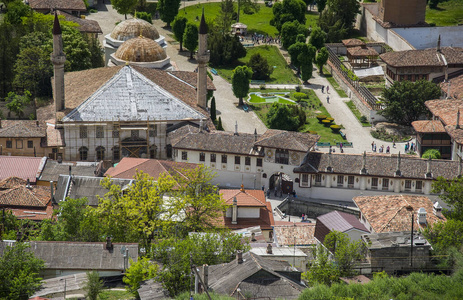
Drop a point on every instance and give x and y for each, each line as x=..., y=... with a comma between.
x=202, y=57
x=58, y=59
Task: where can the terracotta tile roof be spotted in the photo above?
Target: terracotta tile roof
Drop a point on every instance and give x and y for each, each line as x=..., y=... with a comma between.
x=36, y=196
x=456, y=87
x=127, y=168
x=33, y=214
x=352, y=42
x=58, y=4
x=21, y=129
x=85, y=25
x=303, y=232
x=245, y=197
x=446, y=110
x=455, y=133
x=427, y=57
x=22, y=167
x=389, y=212
x=381, y=165
x=341, y=221
x=362, y=51
x=11, y=182
x=428, y=126
x=291, y=140
x=266, y=220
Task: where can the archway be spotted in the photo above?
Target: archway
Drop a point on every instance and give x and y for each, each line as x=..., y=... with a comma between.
x=280, y=183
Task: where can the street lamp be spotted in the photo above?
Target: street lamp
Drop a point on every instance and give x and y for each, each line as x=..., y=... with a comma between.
x=410, y=209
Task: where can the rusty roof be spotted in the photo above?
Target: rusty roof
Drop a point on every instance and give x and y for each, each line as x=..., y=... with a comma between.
x=21, y=166
x=34, y=214
x=290, y=140
x=428, y=126
x=244, y=197
x=78, y=5
x=361, y=51
x=302, y=232
x=11, y=182
x=446, y=110
x=353, y=42
x=387, y=213
x=21, y=129
x=454, y=87
x=265, y=220
x=428, y=57
x=34, y=196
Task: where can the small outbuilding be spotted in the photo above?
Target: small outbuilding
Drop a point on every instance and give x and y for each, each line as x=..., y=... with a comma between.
x=239, y=29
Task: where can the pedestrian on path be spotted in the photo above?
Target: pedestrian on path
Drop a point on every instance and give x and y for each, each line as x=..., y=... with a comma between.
x=393, y=143
x=372, y=145
x=328, y=99
x=327, y=89
x=323, y=88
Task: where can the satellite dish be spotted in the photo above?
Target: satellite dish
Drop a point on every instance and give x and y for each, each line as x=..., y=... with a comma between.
x=123, y=250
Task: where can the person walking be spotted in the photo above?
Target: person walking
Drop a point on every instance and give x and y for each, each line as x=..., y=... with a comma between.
x=328, y=99
x=327, y=89
x=323, y=88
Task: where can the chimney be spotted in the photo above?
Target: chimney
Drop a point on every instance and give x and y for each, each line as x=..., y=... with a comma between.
x=206, y=277
x=329, y=168
x=239, y=257
x=109, y=243
x=58, y=59
x=428, y=174
x=364, y=170
x=255, y=135
x=398, y=173
x=253, y=237
x=437, y=209
x=422, y=215
x=236, y=127
x=235, y=211
x=37, y=123
x=269, y=249
x=438, y=44
x=52, y=193
x=201, y=125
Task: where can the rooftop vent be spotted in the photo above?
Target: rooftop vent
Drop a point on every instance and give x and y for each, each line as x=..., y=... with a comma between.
x=422, y=215
x=437, y=209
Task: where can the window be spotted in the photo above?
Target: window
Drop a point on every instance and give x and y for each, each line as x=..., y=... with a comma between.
x=247, y=161
x=153, y=151
x=100, y=153
x=419, y=185
x=259, y=162
x=9, y=144
x=340, y=180
x=318, y=179
x=202, y=156
x=385, y=184
x=282, y=156
x=83, y=152
x=116, y=153
x=152, y=132
x=224, y=159
x=374, y=183
x=115, y=132
x=408, y=185
x=184, y=155
x=237, y=160
x=350, y=181
x=305, y=179
x=82, y=132
x=213, y=158
x=30, y=144
x=99, y=132
x=134, y=134
x=19, y=144
x=409, y=77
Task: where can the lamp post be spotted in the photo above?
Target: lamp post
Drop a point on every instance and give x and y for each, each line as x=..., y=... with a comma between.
x=410, y=209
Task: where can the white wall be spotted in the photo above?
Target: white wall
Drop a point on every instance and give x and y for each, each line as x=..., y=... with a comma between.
x=426, y=37
x=245, y=212
x=355, y=234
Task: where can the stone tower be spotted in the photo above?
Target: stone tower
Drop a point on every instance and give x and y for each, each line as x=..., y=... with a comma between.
x=203, y=58
x=403, y=13
x=58, y=59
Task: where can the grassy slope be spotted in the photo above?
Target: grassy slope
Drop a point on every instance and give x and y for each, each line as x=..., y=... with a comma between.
x=448, y=13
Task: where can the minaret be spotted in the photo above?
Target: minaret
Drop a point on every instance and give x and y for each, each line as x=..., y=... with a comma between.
x=202, y=57
x=58, y=59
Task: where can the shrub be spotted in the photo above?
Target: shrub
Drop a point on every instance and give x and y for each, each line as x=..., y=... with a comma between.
x=321, y=118
x=144, y=16
x=298, y=88
x=335, y=128
x=330, y=119
x=326, y=122
x=262, y=87
x=298, y=96
x=363, y=119
x=93, y=11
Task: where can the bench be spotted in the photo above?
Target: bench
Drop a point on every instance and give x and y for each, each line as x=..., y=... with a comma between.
x=248, y=45
x=245, y=108
x=343, y=134
x=320, y=144
x=214, y=71
x=257, y=82
x=345, y=144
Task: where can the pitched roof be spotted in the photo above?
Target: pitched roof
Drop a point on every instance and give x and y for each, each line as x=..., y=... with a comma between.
x=21, y=129
x=389, y=212
x=53, y=169
x=455, y=90
x=50, y=286
x=21, y=166
x=428, y=57
x=352, y=42
x=227, y=278
x=455, y=133
x=255, y=198
x=302, y=232
x=446, y=110
x=361, y=51
x=265, y=220
x=78, y=5
x=35, y=196
x=428, y=126
x=127, y=168
x=11, y=182
x=85, y=25
x=152, y=290
x=34, y=214
x=381, y=165
x=341, y=221
x=55, y=136
x=290, y=140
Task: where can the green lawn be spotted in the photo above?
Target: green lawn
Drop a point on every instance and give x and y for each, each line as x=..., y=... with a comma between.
x=115, y=295
x=357, y=113
x=312, y=108
x=448, y=13
x=258, y=22
x=257, y=99
x=282, y=73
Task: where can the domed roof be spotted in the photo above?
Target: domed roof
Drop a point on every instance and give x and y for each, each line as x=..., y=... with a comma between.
x=132, y=28
x=140, y=49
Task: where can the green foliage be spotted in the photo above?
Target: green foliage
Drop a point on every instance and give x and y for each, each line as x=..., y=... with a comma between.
x=17, y=103
x=433, y=3
x=317, y=38
x=288, y=11
x=431, y=153
x=168, y=10
x=306, y=57
x=190, y=38
x=224, y=48
x=16, y=10
x=337, y=20
x=213, y=110
x=240, y=82
x=349, y=72
x=321, y=4
x=294, y=50
x=404, y=100
x=178, y=28
x=219, y=124
x=450, y=191
x=124, y=7
x=93, y=286
x=9, y=48
x=19, y=273
x=96, y=51
x=289, y=32
x=285, y=117
x=321, y=270
x=141, y=270
x=322, y=58
x=226, y=16
x=445, y=235
x=260, y=67
x=298, y=96
x=144, y=16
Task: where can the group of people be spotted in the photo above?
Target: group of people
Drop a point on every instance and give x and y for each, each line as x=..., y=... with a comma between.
x=381, y=149
x=327, y=91
x=265, y=39
x=409, y=147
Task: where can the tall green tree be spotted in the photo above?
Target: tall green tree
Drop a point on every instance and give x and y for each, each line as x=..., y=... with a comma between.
x=213, y=110
x=94, y=285
x=178, y=27
x=322, y=58
x=346, y=252
x=19, y=273
x=321, y=270
x=17, y=10
x=281, y=117
x=321, y=4
x=124, y=7
x=168, y=10
x=451, y=192
x=241, y=78
x=9, y=48
x=224, y=48
x=404, y=101
x=288, y=11
x=141, y=270
x=306, y=57
x=445, y=235
x=290, y=31
x=337, y=20
x=219, y=124
x=294, y=50
x=226, y=16
x=317, y=38
x=190, y=38
x=261, y=70
x=17, y=103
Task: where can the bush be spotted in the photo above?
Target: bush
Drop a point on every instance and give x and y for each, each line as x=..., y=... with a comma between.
x=363, y=119
x=335, y=128
x=326, y=122
x=93, y=11
x=144, y=16
x=298, y=96
x=330, y=119
x=260, y=67
x=262, y=87
x=298, y=88
x=321, y=118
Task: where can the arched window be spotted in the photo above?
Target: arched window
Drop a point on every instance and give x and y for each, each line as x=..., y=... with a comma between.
x=116, y=153
x=83, y=151
x=100, y=152
x=153, y=151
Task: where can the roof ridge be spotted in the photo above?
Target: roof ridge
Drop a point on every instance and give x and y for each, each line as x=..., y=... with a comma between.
x=396, y=213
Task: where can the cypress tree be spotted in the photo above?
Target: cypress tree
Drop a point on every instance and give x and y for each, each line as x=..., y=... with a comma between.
x=213, y=110
x=219, y=125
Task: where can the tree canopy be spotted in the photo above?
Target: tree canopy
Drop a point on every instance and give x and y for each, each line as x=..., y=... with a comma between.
x=322, y=58
x=290, y=31
x=317, y=38
x=17, y=103
x=240, y=82
x=450, y=191
x=404, y=101
x=431, y=153
x=338, y=18
x=261, y=70
x=124, y=7
x=178, y=27
x=288, y=11
x=168, y=10
x=190, y=38
x=224, y=48
x=285, y=117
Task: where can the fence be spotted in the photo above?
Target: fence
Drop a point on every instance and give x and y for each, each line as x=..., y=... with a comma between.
x=366, y=96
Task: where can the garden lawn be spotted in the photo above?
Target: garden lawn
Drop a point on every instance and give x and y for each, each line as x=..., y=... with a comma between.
x=449, y=13
x=313, y=108
x=115, y=295
x=282, y=73
x=357, y=113
x=258, y=22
